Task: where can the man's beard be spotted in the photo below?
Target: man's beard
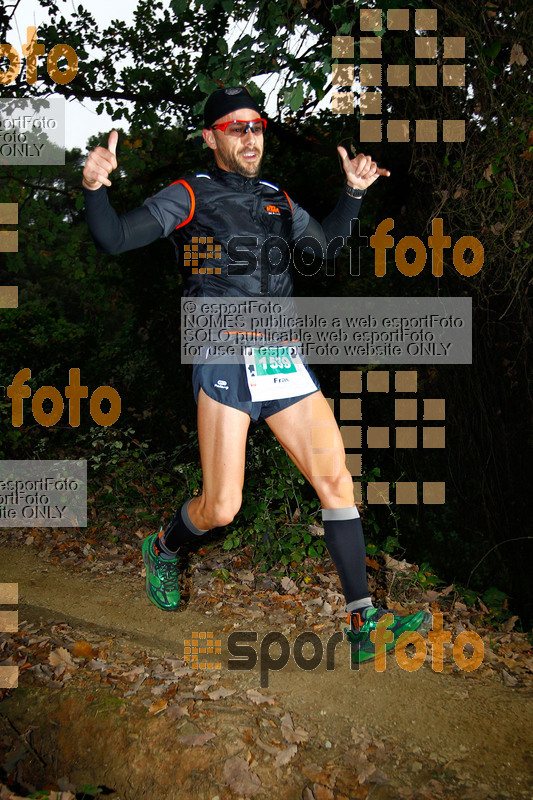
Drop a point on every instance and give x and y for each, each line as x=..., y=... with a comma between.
x=244, y=169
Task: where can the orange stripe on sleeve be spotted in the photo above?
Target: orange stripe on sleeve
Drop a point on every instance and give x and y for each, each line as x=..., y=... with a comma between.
x=193, y=203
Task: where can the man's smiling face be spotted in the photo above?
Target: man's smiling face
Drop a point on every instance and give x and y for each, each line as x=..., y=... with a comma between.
x=240, y=154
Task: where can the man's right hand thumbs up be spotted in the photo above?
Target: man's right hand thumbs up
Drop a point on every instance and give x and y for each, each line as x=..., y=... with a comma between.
x=100, y=163
x=112, y=144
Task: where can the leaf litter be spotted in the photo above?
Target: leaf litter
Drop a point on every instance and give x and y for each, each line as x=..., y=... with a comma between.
x=54, y=654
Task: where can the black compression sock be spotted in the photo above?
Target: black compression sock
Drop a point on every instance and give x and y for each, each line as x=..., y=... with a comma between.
x=179, y=530
x=346, y=545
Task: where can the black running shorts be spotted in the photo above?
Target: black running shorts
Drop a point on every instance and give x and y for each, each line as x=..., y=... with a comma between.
x=227, y=384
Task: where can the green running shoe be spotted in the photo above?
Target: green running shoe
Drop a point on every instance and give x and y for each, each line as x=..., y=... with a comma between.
x=161, y=577
x=363, y=624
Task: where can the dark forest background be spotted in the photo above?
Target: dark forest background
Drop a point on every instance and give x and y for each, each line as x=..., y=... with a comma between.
x=117, y=317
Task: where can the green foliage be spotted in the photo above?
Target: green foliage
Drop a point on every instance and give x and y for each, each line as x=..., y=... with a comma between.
x=130, y=480
x=497, y=602
x=469, y=596
x=12, y=444
x=425, y=577
x=224, y=574
x=90, y=791
x=87, y=791
x=105, y=448
x=391, y=545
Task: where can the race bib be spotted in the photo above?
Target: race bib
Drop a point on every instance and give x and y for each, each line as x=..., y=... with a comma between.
x=274, y=373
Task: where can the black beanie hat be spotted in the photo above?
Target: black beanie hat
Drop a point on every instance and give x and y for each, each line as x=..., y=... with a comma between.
x=223, y=101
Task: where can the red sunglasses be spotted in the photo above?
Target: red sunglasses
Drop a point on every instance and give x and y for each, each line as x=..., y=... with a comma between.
x=238, y=127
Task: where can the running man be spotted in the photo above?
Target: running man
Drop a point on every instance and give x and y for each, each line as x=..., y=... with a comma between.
x=230, y=201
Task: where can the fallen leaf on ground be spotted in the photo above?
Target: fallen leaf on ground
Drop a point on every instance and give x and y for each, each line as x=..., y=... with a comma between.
x=509, y=625
x=395, y=565
x=258, y=698
x=508, y=679
x=157, y=707
x=290, y=734
x=219, y=693
x=316, y=773
x=284, y=756
x=318, y=626
x=177, y=712
x=268, y=748
x=61, y=656
x=362, y=766
x=82, y=649
x=322, y=792
x=360, y=737
x=288, y=585
x=430, y=595
x=137, y=685
x=97, y=663
x=240, y=778
x=204, y=685
x=196, y=739
x=132, y=674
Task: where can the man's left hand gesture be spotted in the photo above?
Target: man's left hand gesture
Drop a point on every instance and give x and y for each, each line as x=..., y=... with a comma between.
x=361, y=171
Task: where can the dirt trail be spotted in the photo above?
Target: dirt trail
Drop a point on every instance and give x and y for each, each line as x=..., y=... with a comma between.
x=426, y=734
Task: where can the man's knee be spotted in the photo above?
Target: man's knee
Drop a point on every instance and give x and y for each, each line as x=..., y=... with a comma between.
x=336, y=489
